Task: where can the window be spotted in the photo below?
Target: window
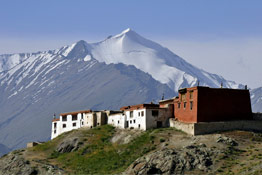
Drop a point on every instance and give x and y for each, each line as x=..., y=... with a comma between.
x=98, y=124
x=130, y=121
x=134, y=121
x=54, y=131
x=64, y=125
x=142, y=113
x=118, y=122
x=82, y=123
x=74, y=117
x=178, y=105
x=139, y=126
x=74, y=124
x=183, y=97
x=154, y=113
x=55, y=125
x=82, y=116
x=191, y=94
x=191, y=105
x=131, y=114
x=184, y=104
x=64, y=118
x=138, y=114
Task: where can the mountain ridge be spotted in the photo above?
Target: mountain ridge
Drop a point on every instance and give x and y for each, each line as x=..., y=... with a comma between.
x=130, y=48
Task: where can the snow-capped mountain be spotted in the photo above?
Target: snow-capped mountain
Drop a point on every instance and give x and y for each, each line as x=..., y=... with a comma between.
x=130, y=48
x=256, y=99
x=124, y=69
x=165, y=66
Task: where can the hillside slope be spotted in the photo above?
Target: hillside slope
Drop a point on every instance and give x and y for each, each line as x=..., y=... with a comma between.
x=106, y=150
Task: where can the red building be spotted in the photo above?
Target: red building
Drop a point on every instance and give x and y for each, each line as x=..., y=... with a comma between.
x=204, y=104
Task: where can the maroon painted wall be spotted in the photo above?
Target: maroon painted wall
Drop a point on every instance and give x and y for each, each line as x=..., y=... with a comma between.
x=218, y=104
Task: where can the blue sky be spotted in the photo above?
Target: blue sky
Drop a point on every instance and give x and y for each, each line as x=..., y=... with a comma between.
x=222, y=36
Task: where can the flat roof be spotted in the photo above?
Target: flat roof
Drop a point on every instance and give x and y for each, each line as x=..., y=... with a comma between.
x=56, y=119
x=76, y=112
x=167, y=100
x=139, y=106
x=183, y=90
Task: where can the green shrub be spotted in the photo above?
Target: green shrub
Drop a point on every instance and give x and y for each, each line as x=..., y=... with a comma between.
x=162, y=140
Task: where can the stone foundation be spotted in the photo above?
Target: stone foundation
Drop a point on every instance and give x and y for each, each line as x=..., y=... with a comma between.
x=212, y=127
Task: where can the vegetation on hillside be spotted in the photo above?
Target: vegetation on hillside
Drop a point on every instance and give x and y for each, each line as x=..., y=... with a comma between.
x=107, y=150
x=97, y=154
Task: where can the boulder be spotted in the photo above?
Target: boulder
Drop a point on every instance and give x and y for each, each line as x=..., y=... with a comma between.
x=68, y=145
x=227, y=140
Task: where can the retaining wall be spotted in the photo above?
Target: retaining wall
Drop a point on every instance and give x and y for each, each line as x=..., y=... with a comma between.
x=212, y=127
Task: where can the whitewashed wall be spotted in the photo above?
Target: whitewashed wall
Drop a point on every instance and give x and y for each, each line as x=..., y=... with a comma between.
x=137, y=121
x=117, y=120
x=69, y=125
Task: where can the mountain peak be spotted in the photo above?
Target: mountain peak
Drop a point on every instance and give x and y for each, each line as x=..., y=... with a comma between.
x=126, y=31
x=80, y=43
x=78, y=49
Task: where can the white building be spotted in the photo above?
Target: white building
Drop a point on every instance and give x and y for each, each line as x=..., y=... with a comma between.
x=118, y=120
x=67, y=122
x=74, y=120
x=142, y=116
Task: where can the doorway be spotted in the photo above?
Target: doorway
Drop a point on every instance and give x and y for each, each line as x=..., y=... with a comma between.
x=159, y=124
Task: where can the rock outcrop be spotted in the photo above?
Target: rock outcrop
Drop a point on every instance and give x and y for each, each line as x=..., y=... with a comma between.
x=172, y=161
x=69, y=145
x=14, y=163
x=227, y=140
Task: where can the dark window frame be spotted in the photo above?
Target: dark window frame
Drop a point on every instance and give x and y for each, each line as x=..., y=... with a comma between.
x=131, y=114
x=64, y=118
x=155, y=113
x=74, y=117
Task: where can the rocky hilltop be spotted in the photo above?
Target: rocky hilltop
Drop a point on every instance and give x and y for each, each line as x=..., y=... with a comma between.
x=107, y=150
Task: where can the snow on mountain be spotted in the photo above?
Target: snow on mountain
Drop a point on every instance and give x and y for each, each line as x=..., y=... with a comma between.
x=124, y=69
x=132, y=49
x=8, y=61
x=256, y=99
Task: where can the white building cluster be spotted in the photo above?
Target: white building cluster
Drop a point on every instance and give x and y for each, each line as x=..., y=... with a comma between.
x=142, y=116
